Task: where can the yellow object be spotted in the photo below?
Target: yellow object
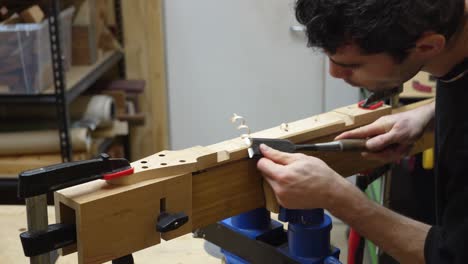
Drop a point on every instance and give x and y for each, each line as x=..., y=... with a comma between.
x=428, y=159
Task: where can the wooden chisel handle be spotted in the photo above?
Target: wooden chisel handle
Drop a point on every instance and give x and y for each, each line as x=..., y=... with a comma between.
x=335, y=146
x=353, y=144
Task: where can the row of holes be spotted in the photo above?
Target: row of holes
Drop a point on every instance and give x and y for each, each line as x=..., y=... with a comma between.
x=162, y=164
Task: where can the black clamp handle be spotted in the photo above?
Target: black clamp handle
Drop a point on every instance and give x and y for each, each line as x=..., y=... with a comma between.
x=51, y=178
x=40, y=242
x=168, y=222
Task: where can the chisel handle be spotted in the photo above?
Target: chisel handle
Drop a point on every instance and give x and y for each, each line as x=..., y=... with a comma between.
x=348, y=145
x=353, y=144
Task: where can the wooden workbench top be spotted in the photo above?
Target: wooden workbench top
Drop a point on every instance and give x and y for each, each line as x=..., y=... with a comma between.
x=184, y=249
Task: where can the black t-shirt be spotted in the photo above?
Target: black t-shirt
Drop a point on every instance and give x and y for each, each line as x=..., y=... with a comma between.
x=447, y=242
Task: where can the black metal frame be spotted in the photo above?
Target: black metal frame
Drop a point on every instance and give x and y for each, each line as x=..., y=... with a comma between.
x=59, y=82
x=122, y=72
x=254, y=251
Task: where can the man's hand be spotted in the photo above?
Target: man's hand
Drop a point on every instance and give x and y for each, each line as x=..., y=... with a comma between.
x=303, y=182
x=299, y=181
x=391, y=137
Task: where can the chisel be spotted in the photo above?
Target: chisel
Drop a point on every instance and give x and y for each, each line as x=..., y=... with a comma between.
x=285, y=145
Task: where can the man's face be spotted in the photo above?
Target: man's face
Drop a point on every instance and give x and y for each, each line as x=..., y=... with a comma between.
x=375, y=72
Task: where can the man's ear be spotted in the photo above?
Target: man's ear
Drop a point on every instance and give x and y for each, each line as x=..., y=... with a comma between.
x=430, y=44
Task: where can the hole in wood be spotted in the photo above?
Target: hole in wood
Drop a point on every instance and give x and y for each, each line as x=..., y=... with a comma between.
x=162, y=155
x=144, y=162
x=163, y=164
x=145, y=167
x=182, y=161
x=162, y=205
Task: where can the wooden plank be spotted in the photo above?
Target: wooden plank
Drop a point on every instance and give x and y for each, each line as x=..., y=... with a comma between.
x=225, y=191
x=145, y=60
x=413, y=106
x=11, y=166
x=223, y=181
x=84, y=48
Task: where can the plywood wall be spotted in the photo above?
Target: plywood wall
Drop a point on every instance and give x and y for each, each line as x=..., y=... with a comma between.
x=145, y=59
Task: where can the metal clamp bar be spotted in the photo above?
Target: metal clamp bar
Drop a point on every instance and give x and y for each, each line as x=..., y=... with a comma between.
x=36, y=211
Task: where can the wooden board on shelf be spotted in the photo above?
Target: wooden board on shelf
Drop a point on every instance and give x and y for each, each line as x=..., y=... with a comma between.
x=11, y=166
x=84, y=49
x=77, y=73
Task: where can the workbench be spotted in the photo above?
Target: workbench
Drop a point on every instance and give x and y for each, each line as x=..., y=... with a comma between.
x=185, y=249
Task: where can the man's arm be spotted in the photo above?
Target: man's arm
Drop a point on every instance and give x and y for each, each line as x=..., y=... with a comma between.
x=401, y=237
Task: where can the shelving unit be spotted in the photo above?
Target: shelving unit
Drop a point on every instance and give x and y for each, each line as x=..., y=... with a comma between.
x=69, y=85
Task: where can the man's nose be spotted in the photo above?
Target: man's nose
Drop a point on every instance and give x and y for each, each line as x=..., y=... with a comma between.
x=339, y=71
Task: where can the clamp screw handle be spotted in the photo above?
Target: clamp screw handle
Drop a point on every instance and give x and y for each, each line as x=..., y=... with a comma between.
x=168, y=222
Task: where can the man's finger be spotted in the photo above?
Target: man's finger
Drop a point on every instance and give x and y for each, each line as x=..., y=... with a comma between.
x=389, y=154
x=363, y=132
x=381, y=142
x=279, y=157
x=380, y=156
x=269, y=168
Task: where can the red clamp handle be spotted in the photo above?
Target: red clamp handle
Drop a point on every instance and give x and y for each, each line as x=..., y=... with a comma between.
x=118, y=174
x=371, y=107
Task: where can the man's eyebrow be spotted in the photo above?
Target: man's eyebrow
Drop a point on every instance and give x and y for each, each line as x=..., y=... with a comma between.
x=345, y=65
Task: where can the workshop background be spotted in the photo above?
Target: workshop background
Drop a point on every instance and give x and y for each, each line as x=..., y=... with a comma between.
x=142, y=76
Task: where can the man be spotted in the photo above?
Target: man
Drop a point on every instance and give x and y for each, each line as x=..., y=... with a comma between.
x=380, y=44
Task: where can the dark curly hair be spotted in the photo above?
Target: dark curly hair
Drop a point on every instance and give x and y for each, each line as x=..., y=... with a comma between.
x=377, y=26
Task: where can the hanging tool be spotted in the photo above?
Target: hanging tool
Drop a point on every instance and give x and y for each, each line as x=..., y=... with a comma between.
x=285, y=145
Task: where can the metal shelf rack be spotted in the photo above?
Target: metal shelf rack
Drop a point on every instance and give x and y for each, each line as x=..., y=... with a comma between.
x=63, y=93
